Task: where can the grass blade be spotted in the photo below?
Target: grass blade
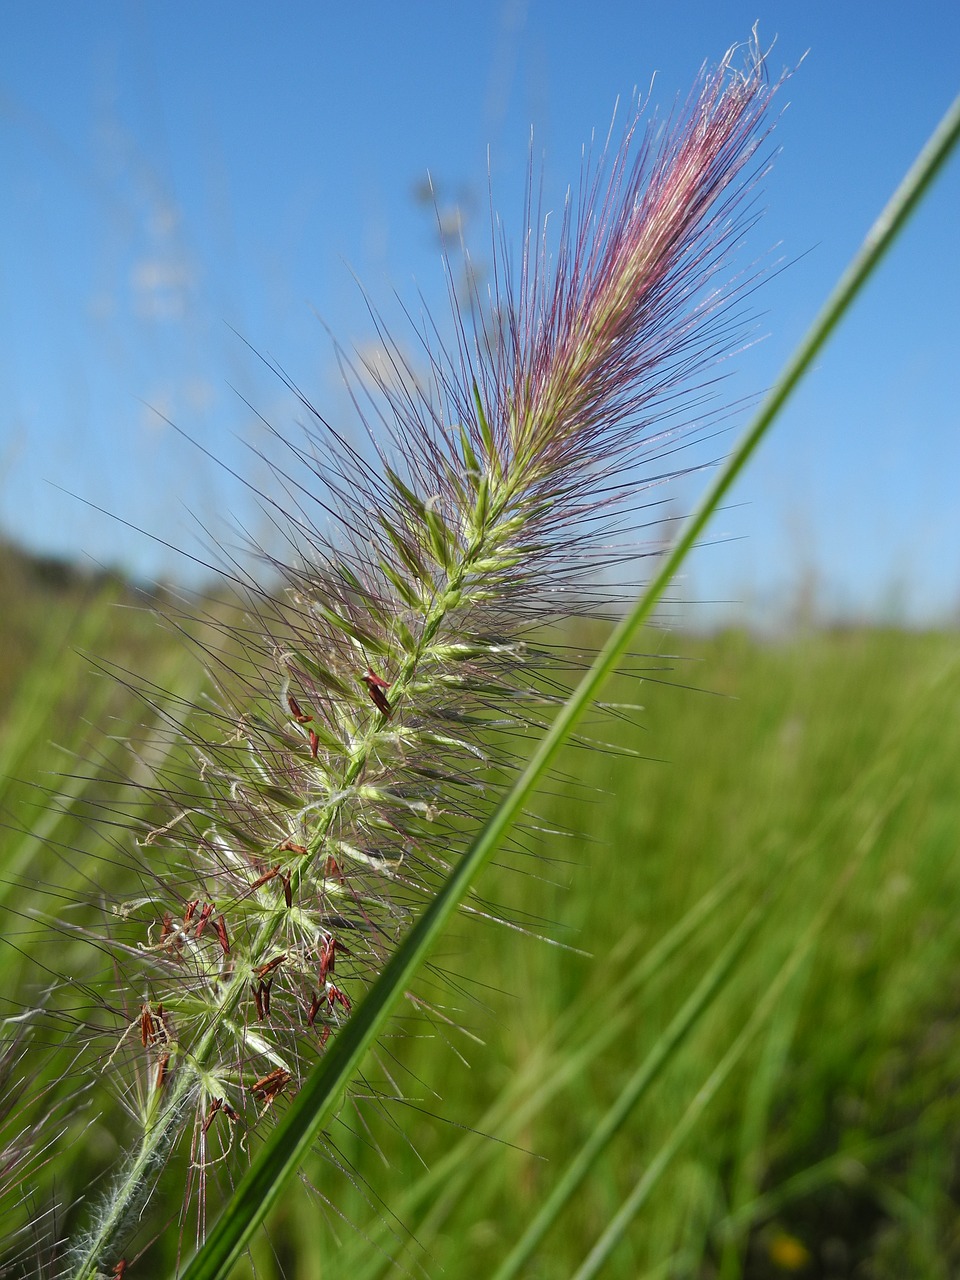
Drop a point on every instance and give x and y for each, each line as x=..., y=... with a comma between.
x=294, y=1135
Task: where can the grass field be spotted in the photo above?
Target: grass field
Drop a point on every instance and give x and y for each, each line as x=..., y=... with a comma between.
x=794, y=802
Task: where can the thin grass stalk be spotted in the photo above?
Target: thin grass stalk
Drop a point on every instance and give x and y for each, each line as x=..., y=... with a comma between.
x=285, y=1148
x=289, y=1142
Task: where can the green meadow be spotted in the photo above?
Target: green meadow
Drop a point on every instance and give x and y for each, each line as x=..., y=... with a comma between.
x=722, y=1012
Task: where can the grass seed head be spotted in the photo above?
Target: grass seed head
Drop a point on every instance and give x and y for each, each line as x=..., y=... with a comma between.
x=351, y=737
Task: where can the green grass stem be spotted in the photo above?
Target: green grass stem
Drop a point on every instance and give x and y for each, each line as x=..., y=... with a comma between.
x=288, y=1145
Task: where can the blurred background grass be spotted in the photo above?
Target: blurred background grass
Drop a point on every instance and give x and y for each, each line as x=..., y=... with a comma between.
x=769, y=772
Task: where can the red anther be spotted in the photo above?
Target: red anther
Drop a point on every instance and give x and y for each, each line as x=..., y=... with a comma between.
x=171, y=937
x=332, y=870
x=147, y=1031
x=120, y=1270
x=289, y=847
x=161, y=1071
x=261, y=996
x=287, y=891
x=271, y=1085
x=269, y=967
x=336, y=996
x=324, y=1035
x=314, y=744
x=152, y=1025
x=376, y=689
x=295, y=711
x=215, y=1106
x=161, y=1025
x=229, y=1112
x=266, y=877
x=206, y=911
x=270, y=1079
x=314, y=1009
x=188, y=912
x=328, y=957
x=257, y=993
x=222, y=935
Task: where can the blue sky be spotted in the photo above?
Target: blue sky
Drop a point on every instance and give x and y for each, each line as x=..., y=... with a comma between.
x=174, y=173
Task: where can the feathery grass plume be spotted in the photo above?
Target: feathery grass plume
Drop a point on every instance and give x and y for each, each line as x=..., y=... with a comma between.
x=348, y=745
